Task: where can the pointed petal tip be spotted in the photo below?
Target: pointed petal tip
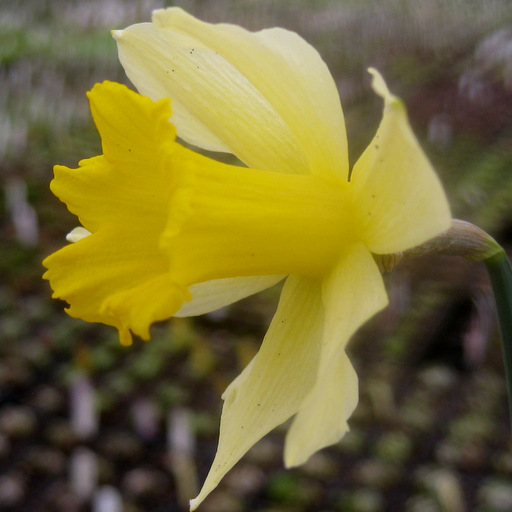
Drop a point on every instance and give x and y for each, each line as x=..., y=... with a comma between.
x=294, y=457
x=207, y=488
x=292, y=460
x=380, y=87
x=117, y=34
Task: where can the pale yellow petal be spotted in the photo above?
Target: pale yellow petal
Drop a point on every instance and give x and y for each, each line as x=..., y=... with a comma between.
x=266, y=96
x=271, y=389
x=77, y=234
x=398, y=197
x=322, y=419
x=351, y=293
x=212, y=295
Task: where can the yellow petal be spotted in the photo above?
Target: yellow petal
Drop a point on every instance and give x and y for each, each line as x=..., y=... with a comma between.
x=352, y=293
x=213, y=295
x=399, y=200
x=266, y=96
x=271, y=389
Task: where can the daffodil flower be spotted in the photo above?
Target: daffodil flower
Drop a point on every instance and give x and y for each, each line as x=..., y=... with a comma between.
x=166, y=231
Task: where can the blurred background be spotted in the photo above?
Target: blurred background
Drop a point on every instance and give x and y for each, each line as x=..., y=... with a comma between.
x=88, y=425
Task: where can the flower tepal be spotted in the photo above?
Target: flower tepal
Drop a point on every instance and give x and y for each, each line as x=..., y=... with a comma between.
x=170, y=232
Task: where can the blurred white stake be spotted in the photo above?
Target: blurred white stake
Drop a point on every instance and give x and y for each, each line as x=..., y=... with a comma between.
x=181, y=446
x=447, y=490
x=83, y=472
x=84, y=418
x=23, y=216
x=107, y=499
x=145, y=419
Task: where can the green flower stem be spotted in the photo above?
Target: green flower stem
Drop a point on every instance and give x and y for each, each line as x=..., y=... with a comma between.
x=469, y=241
x=500, y=274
